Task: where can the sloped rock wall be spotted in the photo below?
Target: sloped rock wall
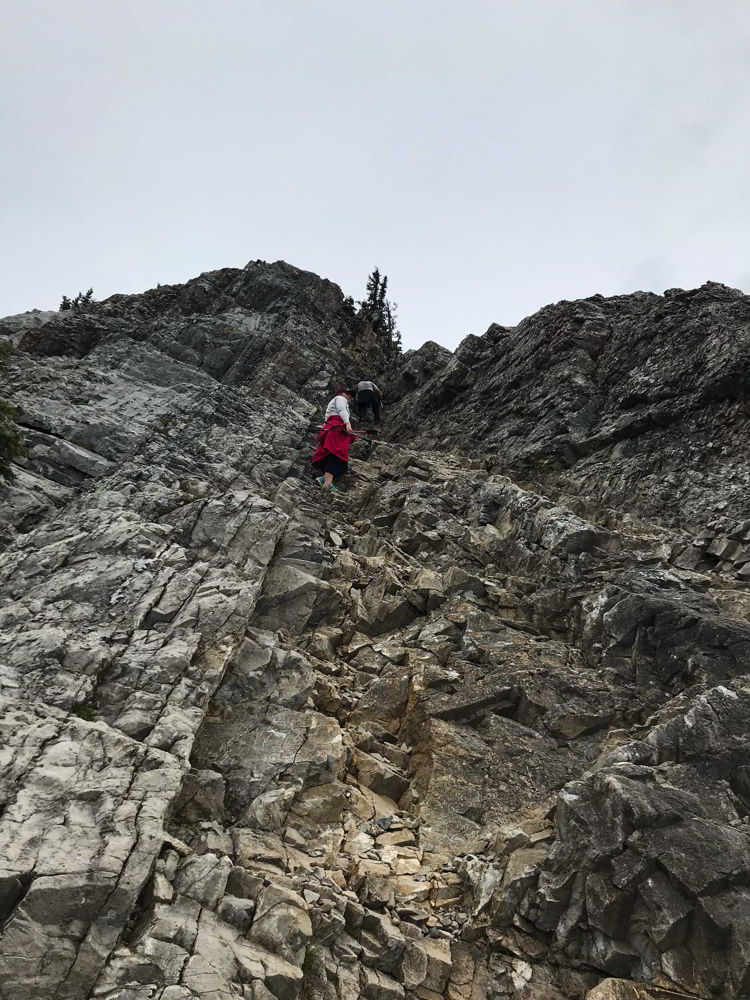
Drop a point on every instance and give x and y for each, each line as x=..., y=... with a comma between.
x=638, y=402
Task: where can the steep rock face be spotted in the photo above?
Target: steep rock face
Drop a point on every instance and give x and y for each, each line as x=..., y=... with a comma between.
x=140, y=536
x=442, y=735
x=151, y=374
x=638, y=401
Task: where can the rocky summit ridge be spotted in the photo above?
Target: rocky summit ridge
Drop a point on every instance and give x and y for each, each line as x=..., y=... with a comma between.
x=477, y=727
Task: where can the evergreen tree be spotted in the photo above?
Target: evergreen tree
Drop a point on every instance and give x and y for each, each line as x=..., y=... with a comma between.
x=373, y=290
x=380, y=312
x=80, y=302
x=382, y=300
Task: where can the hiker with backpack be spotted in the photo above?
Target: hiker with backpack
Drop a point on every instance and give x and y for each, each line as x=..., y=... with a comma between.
x=369, y=397
x=332, y=454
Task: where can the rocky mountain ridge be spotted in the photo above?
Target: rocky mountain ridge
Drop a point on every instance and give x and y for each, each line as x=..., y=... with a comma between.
x=477, y=727
x=639, y=402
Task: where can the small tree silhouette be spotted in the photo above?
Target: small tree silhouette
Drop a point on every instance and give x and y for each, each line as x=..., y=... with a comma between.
x=380, y=312
x=79, y=303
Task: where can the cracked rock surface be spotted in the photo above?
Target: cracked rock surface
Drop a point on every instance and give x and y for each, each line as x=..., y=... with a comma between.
x=476, y=727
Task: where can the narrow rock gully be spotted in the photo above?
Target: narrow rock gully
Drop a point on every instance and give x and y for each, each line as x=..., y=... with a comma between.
x=373, y=791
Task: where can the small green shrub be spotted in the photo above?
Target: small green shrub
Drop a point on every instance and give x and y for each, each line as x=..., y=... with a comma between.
x=85, y=712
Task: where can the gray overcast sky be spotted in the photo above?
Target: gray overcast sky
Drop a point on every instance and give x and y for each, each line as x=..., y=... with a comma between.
x=490, y=155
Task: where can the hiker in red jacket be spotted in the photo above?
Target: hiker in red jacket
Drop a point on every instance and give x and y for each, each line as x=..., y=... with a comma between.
x=332, y=454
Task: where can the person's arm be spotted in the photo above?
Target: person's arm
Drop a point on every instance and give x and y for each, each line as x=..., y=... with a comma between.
x=342, y=408
x=377, y=391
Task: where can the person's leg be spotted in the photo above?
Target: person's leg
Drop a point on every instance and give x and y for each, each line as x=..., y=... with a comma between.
x=367, y=400
x=320, y=467
x=376, y=408
x=335, y=467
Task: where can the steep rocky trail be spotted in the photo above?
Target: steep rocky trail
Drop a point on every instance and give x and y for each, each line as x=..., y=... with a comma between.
x=445, y=734
x=374, y=784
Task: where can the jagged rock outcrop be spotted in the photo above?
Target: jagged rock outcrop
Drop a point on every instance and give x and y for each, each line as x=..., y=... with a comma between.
x=639, y=402
x=476, y=727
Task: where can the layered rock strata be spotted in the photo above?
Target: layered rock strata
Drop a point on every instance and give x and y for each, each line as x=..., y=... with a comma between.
x=447, y=734
x=638, y=402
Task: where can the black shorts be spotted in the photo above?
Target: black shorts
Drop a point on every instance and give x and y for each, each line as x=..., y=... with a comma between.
x=332, y=464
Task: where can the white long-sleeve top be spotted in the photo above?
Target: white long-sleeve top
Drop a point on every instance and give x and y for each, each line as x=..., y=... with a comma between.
x=339, y=405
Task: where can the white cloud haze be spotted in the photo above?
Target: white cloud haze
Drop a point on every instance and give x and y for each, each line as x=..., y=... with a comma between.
x=489, y=155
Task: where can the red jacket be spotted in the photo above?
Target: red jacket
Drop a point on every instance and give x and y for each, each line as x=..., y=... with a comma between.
x=332, y=440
